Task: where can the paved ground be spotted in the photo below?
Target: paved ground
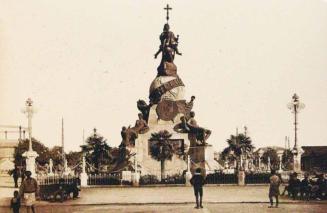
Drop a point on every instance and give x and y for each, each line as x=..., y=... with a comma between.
x=167, y=199
x=157, y=195
x=181, y=208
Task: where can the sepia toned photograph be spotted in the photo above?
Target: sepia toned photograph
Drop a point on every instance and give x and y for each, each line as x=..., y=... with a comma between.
x=163, y=106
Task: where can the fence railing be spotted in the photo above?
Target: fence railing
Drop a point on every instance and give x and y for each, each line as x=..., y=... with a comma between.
x=169, y=179
x=106, y=179
x=257, y=178
x=221, y=178
x=57, y=179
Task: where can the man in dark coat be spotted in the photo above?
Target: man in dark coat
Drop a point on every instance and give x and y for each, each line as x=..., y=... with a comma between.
x=306, y=187
x=197, y=182
x=15, y=175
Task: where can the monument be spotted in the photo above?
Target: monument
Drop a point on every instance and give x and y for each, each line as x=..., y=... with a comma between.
x=167, y=121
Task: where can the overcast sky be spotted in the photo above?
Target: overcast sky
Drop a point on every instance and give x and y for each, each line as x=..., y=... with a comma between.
x=90, y=61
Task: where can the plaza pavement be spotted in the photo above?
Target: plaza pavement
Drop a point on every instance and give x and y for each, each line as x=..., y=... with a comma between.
x=225, y=198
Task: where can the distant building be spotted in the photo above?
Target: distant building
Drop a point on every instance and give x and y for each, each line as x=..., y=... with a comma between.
x=264, y=149
x=9, y=139
x=314, y=158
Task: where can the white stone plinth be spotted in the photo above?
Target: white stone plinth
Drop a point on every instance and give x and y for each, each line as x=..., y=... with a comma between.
x=241, y=178
x=188, y=177
x=30, y=161
x=136, y=179
x=84, y=178
x=297, y=153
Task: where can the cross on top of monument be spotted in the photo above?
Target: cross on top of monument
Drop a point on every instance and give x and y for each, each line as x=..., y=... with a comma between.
x=167, y=8
x=29, y=102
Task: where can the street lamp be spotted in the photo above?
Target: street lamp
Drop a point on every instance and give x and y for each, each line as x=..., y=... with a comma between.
x=30, y=154
x=295, y=106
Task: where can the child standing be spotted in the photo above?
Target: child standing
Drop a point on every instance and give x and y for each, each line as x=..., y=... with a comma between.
x=15, y=202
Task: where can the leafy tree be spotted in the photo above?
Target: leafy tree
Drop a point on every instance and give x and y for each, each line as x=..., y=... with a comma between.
x=37, y=146
x=160, y=148
x=287, y=159
x=55, y=153
x=73, y=159
x=274, y=160
x=121, y=158
x=97, y=151
x=238, y=146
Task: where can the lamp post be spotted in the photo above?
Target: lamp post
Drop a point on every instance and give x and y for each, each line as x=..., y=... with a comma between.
x=295, y=106
x=30, y=155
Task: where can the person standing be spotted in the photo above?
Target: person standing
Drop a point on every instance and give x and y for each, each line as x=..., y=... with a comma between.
x=197, y=182
x=274, y=188
x=305, y=187
x=15, y=175
x=29, y=190
x=15, y=202
x=22, y=175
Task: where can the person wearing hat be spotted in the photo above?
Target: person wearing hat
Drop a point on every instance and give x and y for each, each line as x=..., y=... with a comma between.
x=197, y=182
x=29, y=190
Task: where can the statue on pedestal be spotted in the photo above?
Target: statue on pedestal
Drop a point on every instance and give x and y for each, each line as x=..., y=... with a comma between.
x=168, y=47
x=197, y=134
x=130, y=134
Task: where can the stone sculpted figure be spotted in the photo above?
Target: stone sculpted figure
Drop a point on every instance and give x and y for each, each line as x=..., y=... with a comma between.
x=168, y=45
x=144, y=108
x=197, y=135
x=182, y=127
x=130, y=134
x=141, y=125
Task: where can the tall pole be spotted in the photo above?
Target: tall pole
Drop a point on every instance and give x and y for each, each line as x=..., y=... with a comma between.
x=30, y=155
x=29, y=112
x=62, y=139
x=295, y=126
x=295, y=106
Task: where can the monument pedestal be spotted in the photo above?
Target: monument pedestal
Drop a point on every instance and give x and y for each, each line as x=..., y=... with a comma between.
x=84, y=178
x=135, y=179
x=297, y=153
x=30, y=161
x=241, y=178
x=188, y=177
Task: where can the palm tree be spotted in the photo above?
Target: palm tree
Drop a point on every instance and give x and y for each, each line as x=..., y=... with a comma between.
x=160, y=149
x=287, y=159
x=273, y=157
x=238, y=146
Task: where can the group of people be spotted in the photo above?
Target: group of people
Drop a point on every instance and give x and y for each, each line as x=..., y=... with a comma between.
x=16, y=173
x=307, y=188
x=28, y=190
